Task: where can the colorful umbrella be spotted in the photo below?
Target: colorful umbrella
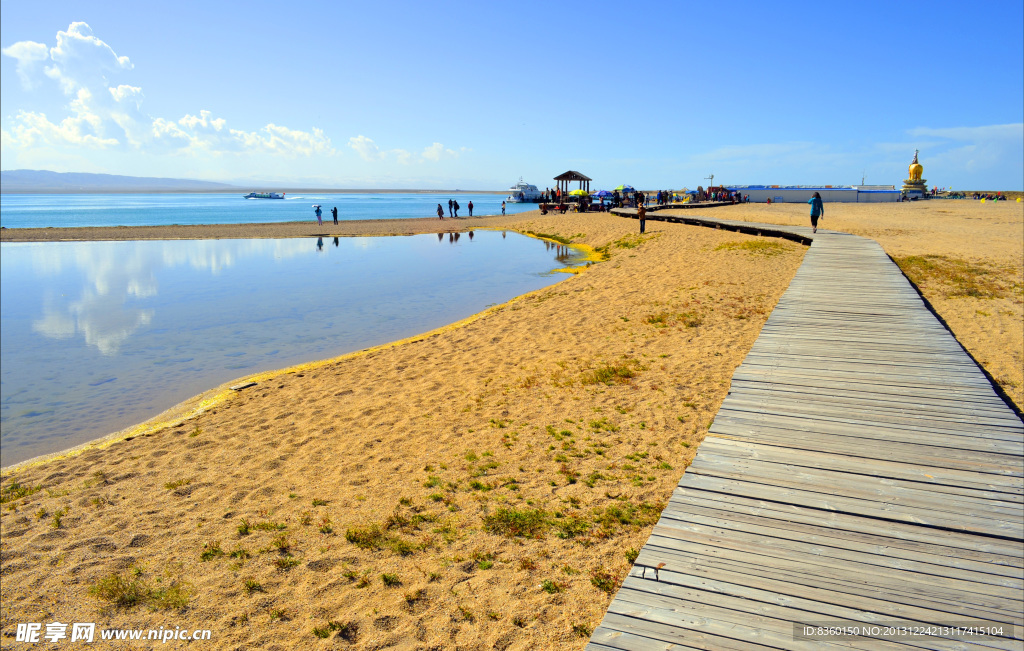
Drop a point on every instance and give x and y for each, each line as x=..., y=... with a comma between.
x=625, y=188
x=578, y=193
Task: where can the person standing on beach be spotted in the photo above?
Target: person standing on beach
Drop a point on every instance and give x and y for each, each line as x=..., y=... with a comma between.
x=334, y=211
x=470, y=206
x=502, y=207
x=817, y=210
x=440, y=212
x=641, y=212
x=450, y=212
x=319, y=216
x=456, y=208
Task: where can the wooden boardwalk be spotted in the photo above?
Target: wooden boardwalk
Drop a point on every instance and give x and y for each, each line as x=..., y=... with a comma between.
x=861, y=472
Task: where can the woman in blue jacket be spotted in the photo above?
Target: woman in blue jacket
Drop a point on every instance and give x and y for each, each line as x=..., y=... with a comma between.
x=817, y=210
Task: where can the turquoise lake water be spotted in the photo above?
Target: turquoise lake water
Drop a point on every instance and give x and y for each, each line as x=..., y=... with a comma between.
x=98, y=336
x=41, y=210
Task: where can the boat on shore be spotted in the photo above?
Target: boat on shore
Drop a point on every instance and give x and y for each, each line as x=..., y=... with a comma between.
x=523, y=193
x=264, y=195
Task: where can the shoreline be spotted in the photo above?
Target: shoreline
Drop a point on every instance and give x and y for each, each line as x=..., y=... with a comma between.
x=176, y=415
x=273, y=230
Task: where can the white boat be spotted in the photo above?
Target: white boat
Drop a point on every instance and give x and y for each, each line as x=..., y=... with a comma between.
x=264, y=195
x=523, y=193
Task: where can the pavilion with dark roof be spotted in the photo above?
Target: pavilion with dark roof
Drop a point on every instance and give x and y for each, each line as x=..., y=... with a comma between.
x=563, y=180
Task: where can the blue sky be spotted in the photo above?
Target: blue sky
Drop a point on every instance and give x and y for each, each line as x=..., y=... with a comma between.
x=473, y=95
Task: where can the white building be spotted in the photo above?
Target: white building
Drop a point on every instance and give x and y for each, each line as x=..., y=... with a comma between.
x=829, y=193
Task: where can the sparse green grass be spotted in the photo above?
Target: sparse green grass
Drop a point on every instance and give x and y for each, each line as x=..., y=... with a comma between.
x=15, y=491
x=960, y=278
x=374, y=537
x=551, y=587
x=582, y=630
x=270, y=526
x=632, y=554
x=129, y=589
x=767, y=248
x=319, y=502
x=571, y=527
x=58, y=518
x=121, y=590
x=211, y=550
x=604, y=580
x=526, y=523
x=244, y=527
x=286, y=562
x=390, y=580
x=610, y=374
x=625, y=514
x=252, y=585
x=176, y=484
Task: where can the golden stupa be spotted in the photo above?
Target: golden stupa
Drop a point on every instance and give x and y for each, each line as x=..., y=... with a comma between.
x=915, y=185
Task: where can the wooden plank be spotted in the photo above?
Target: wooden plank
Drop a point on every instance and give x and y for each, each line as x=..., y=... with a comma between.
x=954, y=543
x=829, y=482
x=935, y=479
x=750, y=603
x=796, y=579
x=766, y=524
x=844, y=439
x=880, y=510
x=830, y=544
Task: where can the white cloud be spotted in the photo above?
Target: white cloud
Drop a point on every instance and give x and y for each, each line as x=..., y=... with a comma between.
x=974, y=155
x=80, y=60
x=82, y=129
x=29, y=54
x=107, y=114
x=369, y=151
x=366, y=148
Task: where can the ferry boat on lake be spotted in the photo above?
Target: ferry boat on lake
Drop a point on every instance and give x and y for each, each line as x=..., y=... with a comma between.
x=264, y=195
x=523, y=193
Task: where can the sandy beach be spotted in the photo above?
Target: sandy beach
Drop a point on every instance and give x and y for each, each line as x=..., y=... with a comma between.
x=480, y=486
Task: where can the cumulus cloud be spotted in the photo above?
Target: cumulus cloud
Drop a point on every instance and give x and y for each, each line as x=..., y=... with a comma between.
x=80, y=60
x=107, y=113
x=369, y=151
x=29, y=55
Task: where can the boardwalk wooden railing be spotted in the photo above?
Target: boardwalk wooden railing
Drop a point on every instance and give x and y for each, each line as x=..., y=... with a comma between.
x=862, y=472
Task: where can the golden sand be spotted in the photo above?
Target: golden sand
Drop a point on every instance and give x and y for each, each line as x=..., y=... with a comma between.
x=376, y=498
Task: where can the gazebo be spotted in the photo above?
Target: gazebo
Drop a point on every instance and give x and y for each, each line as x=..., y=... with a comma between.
x=563, y=180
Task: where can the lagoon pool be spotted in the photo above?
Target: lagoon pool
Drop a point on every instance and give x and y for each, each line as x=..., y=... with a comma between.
x=98, y=336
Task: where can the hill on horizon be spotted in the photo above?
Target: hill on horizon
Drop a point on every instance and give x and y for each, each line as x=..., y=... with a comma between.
x=44, y=181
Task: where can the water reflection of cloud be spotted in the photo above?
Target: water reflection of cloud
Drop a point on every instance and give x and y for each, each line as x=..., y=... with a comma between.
x=117, y=273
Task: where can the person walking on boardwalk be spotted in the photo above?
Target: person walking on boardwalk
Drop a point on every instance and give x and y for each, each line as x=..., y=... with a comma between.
x=641, y=213
x=319, y=216
x=334, y=211
x=450, y=213
x=817, y=210
x=440, y=212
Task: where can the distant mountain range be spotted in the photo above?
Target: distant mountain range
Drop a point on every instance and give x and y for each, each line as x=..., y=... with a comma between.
x=43, y=181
